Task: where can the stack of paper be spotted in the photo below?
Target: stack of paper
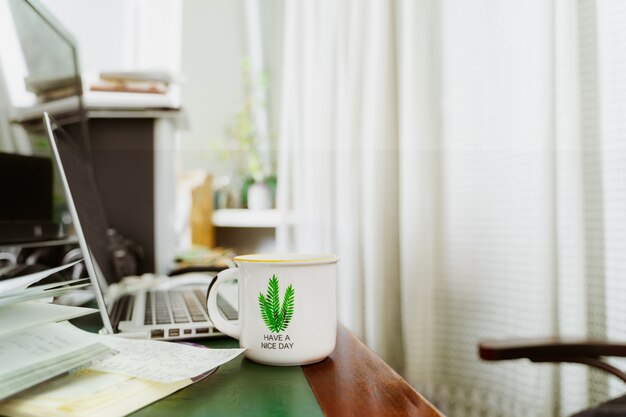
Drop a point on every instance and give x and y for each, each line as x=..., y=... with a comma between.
x=18, y=317
x=123, y=375
x=40, y=353
x=13, y=291
x=29, y=352
x=143, y=371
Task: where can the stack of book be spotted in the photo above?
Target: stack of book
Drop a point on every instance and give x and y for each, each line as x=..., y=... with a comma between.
x=149, y=82
x=53, y=88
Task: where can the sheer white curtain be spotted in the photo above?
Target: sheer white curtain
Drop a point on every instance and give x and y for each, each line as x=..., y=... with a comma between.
x=466, y=160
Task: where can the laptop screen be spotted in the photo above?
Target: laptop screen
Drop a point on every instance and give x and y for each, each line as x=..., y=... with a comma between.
x=81, y=193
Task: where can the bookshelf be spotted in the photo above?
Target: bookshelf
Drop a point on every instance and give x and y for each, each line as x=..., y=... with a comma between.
x=249, y=218
x=250, y=230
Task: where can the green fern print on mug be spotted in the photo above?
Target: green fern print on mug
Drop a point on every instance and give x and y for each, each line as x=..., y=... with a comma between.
x=276, y=316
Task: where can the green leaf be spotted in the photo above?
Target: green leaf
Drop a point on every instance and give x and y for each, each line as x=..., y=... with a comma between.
x=287, y=308
x=273, y=297
x=266, y=311
x=275, y=316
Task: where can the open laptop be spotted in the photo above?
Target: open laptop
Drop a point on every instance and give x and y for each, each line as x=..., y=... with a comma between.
x=155, y=313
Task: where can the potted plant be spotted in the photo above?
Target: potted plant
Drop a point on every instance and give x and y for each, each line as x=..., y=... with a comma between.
x=245, y=148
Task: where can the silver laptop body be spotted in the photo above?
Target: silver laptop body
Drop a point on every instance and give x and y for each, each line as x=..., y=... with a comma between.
x=154, y=312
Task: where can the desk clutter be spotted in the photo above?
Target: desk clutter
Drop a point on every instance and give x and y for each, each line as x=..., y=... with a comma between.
x=52, y=368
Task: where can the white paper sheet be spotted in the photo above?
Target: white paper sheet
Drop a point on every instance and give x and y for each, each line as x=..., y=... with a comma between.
x=42, y=291
x=17, y=317
x=45, y=287
x=161, y=361
x=20, y=283
x=89, y=393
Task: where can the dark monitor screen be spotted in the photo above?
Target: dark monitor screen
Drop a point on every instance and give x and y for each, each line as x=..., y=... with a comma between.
x=26, y=188
x=26, y=202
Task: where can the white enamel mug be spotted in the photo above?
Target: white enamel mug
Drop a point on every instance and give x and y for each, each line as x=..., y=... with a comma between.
x=287, y=307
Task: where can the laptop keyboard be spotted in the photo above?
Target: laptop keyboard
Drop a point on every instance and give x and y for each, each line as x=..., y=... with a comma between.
x=181, y=306
x=162, y=307
x=197, y=310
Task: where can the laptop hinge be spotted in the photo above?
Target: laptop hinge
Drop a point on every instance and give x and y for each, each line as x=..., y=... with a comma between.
x=120, y=310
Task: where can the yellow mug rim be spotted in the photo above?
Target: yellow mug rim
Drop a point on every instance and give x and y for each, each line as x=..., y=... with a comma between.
x=288, y=258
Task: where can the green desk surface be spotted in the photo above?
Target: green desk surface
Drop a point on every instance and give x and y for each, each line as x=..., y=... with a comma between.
x=239, y=388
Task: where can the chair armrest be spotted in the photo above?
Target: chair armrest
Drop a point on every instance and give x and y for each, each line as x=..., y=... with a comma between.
x=554, y=349
x=540, y=349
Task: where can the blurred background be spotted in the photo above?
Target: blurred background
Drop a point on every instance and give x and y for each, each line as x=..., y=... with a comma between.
x=465, y=159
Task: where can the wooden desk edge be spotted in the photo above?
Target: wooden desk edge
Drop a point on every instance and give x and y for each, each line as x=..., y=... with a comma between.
x=354, y=381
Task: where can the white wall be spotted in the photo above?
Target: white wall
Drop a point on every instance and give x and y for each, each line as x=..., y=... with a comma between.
x=272, y=23
x=123, y=34
x=213, y=46
x=212, y=49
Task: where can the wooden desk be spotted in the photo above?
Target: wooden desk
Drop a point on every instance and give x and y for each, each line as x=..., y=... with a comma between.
x=353, y=381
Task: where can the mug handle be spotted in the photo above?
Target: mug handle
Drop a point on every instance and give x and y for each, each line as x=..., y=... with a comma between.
x=223, y=325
